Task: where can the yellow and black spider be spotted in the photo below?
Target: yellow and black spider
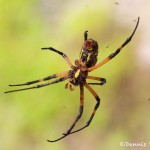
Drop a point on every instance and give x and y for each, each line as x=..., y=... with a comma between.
x=78, y=74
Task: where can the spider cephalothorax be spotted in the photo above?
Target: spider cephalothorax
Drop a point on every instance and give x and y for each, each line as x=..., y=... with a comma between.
x=78, y=75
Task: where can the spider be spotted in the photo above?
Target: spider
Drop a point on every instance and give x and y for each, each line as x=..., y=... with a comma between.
x=77, y=76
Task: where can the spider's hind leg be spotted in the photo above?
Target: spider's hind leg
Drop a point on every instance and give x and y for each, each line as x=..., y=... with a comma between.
x=103, y=80
x=39, y=85
x=64, y=76
x=95, y=108
x=77, y=118
x=43, y=79
x=80, y=110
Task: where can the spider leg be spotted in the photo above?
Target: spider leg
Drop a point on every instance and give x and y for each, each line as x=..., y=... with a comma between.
x=85, y=35
x=71, y=87
x=40, y=85
x=85, y=38
x=57, y=139
x=103, y=80
x=80, y=110
x=60, y=53
x=95, y=108
x=77, y=118
x=116, y=52
x=43, y=79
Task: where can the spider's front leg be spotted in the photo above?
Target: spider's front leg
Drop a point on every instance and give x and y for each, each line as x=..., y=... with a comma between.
x=63, y=75
x=60, y=53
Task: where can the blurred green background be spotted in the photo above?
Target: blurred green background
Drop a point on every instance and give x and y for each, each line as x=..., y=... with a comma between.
x=29, y=118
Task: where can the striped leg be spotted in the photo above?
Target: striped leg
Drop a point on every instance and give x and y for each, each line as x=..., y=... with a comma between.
x=60, y=53
x=44, y=79
x=103, y=80
x=80, y=110
x=95, y=108
x=116, y=52
x=39, y=85
x=77, y=118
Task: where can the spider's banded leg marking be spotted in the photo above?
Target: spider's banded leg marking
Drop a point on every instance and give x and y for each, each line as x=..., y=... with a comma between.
x=60, y=53
x=80, y=110
x=103, y=80
x=95, y=108
x=116, y=52
x=44, y=79
x=39, y=85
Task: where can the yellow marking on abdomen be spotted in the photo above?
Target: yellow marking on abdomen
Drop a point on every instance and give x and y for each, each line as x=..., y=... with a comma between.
x=77, y=73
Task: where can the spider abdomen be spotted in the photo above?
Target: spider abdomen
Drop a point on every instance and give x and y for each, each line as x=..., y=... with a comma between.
x=92, y=60
x=89, y=53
